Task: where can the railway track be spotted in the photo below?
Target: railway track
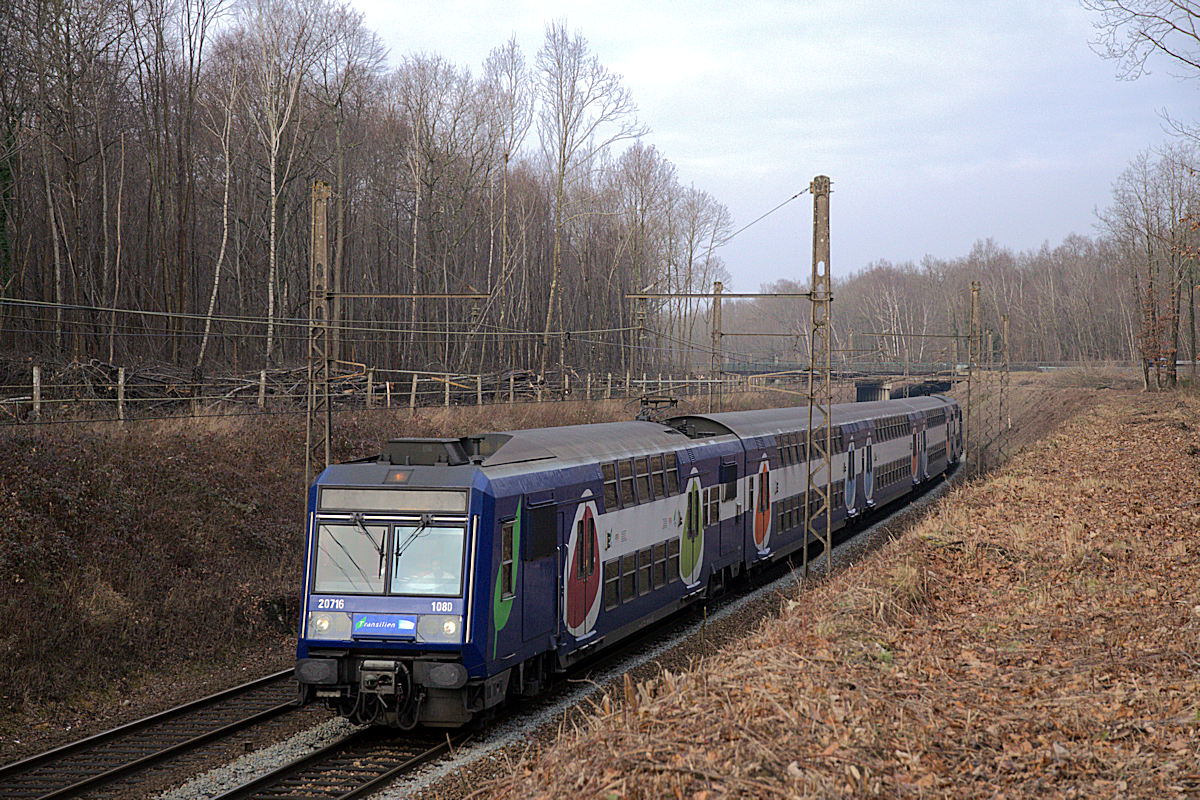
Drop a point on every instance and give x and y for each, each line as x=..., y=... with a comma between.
x=82, y=766
x=361, y=763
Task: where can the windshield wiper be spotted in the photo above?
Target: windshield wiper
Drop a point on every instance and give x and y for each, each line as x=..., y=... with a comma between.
x=378, y=547
x=400, y=550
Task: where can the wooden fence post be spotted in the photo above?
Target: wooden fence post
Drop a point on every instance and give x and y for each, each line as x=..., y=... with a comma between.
x=370, y=387
x=121, y=394
x=478, y=390
x=587, y=393
x=608, y=388
x=412, y=396
x=37, y=392
x=262, y=388
x=511, y=388
x=388, y=393
x=446, y=402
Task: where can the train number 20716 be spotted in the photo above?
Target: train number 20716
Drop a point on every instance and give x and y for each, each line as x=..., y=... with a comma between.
x=330, y=602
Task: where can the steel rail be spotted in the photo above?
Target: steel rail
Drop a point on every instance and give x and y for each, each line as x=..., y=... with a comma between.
x=353, y=767
x=53, y=761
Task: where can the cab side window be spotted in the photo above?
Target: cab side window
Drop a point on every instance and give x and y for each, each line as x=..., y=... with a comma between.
x=507, y=573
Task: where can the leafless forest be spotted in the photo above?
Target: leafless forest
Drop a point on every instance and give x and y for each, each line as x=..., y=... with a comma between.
x=156, y=159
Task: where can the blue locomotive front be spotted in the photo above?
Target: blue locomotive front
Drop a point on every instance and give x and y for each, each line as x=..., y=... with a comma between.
x=385, y=633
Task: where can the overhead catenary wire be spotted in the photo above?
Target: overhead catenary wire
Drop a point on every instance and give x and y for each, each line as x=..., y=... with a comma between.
x=761, y=217
x=296, y=322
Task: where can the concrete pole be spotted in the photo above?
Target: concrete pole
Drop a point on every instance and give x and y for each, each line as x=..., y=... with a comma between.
x=718, y=362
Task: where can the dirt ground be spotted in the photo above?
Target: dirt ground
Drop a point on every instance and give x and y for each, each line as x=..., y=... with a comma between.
x=1035, y=635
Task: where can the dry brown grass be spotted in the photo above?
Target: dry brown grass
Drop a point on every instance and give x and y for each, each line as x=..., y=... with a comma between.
x=1035, y=636
x=1095, y=376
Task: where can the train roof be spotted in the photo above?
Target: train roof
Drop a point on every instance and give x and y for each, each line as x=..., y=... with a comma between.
x=612, y=440
x=770, y=421
x=596, y=441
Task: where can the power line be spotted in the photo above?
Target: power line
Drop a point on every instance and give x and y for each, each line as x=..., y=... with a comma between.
x=763, y=216
x=297, y=322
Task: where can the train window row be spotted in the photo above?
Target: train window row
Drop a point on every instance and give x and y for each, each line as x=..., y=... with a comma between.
x=938, y=451
x=837, y=499
x=938, y=418
x=793, y=447
x=892, y=428
x=636, y=574
x=893, y=472
x=790, y=447
x=788, y=513
x=639, y=480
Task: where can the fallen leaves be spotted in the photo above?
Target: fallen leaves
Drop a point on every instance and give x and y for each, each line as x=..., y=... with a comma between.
x=1035, y=635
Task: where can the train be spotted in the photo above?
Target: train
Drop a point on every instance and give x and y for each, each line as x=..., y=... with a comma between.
x=444, y=577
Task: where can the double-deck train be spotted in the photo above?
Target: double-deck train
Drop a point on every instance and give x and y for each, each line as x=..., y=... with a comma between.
x=446, y=575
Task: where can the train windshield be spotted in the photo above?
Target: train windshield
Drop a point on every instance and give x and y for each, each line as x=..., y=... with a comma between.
x=350, y=559
x=427, y=560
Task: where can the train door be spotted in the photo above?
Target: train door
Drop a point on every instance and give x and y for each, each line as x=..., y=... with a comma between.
x=869, y=472
x=914, y=464
x=730, y=530
x=851, y=478
x=925, y=453
x=949, y=437
x=761, y=486
x=582, y=573
x=539, y=559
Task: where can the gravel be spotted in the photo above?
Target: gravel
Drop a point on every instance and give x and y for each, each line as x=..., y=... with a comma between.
x=256, y=764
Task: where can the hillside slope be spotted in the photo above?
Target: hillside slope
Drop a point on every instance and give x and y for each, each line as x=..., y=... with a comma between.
x=1036, y=635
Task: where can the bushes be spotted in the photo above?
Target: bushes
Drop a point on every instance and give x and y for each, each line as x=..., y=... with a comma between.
x=127, y=548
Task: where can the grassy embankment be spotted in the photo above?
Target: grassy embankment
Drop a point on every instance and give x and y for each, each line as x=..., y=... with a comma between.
x=1035, y=635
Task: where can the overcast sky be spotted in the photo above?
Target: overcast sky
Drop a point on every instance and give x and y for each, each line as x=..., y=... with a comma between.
x=940, y=122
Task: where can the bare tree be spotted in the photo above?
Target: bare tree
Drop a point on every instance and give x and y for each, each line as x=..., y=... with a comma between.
x=346, y=78
x=509, y=95
x=224, y=97
x=1153, y=202
x=1130, y=31
x=584, y=110
x=281, y=41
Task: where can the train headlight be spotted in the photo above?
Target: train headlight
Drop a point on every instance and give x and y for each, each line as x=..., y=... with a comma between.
x=328, y=625
x=444, y=628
